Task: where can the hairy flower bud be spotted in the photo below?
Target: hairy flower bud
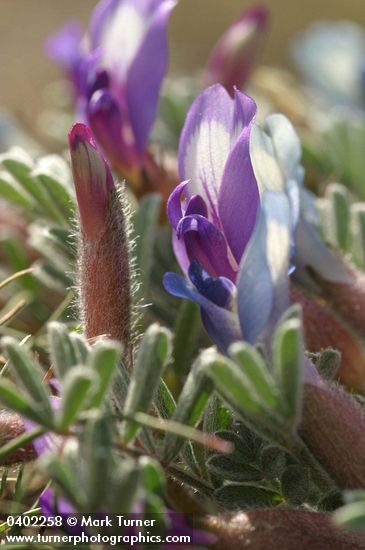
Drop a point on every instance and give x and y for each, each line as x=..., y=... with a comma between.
x=333, y=428
x=11, y=427
x=348, y=299
x=104, y=270
x=323, y=330
x=286, y=529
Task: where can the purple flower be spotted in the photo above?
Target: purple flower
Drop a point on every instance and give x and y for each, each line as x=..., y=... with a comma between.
x=67, y=48
x=118, y=78
x=236, y=53
x=234, y=250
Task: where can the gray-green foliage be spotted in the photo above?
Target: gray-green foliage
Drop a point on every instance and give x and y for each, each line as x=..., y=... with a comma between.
x=342, y=219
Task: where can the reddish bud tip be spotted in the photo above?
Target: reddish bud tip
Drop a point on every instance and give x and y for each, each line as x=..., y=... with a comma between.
x=93, y=180
x=236, y=53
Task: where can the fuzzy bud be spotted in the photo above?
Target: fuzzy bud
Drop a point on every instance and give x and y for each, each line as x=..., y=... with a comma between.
x=348, y=299
x=235, y=54
x=104, y=270
x=284, y=529
x=333, y=428
x=11, y=427
x=323, y=330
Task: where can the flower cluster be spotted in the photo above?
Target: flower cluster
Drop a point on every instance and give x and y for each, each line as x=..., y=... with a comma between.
x=116, y=72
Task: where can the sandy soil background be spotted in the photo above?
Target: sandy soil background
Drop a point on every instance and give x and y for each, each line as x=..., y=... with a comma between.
x=195, y=25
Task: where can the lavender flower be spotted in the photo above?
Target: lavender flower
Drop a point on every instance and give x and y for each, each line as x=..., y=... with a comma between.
x=118, y=77
x=223, y=238
x=245, y=221
x=68, y=49
x=236, y=53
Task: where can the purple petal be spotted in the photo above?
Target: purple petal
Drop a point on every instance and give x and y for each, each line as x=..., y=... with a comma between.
x=64, y=46
x=262, y=288
x=111, y=129
x=47, y=503
x=132, y=35
x=181, y=254
x=146, y=72
x=239, y=195
x=174, y=210
x=205, y=143
x=221, y=324
x=68, y=50
x=111, y=14
x=196, y=205
x=99, y=81
x=219, y=290
x=206, y=244
x=213, y=125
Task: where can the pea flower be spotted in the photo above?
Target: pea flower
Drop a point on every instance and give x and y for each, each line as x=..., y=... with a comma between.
x=117, y=73
x=242, y=222
x=236, y=53
x=223, y=237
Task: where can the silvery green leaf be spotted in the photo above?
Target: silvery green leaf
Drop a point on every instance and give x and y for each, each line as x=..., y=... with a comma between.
x=351, y=516
x=63, y=351
x=81, y=347
x=246, y=448
x=288, y=362
x=339, y=215
x=146, y=227
x=191, y=403
x=126, y=482
x=77, y=385
x=12, y=192
x=20, y=165
x=13, y=399
x=273, y=461
x=224, y=468
x=103, y=359
x=96, y=451
x=30, y=376
x=254, y=368
x=64, y=475
x=186, y=335
x=232, y=385
x=357, y=225
x=152, y=357
x=50, y=276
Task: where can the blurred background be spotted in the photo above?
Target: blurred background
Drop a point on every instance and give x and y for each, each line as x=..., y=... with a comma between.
x=25, y=72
